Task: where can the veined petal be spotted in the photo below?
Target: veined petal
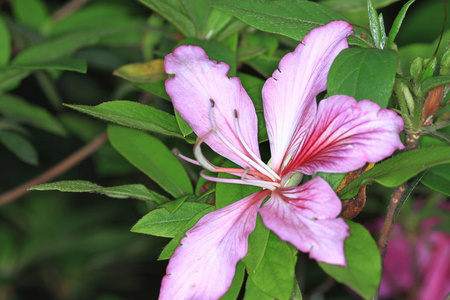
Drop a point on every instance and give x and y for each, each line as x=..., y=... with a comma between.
x=346, y=135
x=289, y=95
x=204, y=265
x=200, y=83
x=308, y=220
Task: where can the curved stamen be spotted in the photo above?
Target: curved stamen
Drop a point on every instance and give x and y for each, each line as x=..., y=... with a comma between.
x=274, y=175
x=260, y=183
x=233, y=148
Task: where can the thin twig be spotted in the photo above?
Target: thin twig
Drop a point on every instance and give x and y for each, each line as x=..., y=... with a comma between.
x=68, y=9
x=60, y=168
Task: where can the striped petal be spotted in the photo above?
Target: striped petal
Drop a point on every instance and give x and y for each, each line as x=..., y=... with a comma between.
x=305, y=216
x=289, y=95
x=204, y=265
x=346, y=135
x=204, y=96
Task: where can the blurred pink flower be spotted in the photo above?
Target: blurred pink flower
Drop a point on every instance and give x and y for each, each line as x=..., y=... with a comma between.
x=417, y=264
x=338, y=135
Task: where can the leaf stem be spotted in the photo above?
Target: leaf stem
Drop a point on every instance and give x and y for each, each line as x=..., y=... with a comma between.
x=60, y=168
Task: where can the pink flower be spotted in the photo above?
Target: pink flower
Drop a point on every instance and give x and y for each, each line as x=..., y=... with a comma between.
x=340, y=135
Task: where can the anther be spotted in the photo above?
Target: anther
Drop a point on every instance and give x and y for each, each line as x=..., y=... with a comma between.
x=212, y=102
x=235, y=114
x=275, y=79
x=279, y=70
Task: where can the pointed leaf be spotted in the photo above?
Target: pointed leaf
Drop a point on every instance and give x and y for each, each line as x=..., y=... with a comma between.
x=374, y=23
x=5, y=43
x=152, y=157
x=363, y=271
x=252, y=292
x=162, y=222
x=293, y=19
x=364, y=74
x=398, y=169
x=20, y=146
x=32, y=13
x=438, y=179
x=134, y=115
x=398, y=23
x=238, y=280
x=150, y=71
x=136, y=191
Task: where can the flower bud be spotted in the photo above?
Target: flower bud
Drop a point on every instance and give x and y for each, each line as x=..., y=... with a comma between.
x=445, y=62
x=430, y=66
x=416, y=68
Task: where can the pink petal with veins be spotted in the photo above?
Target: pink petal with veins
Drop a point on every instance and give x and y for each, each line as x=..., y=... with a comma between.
x=197, y=81
x=346, y=135
x=289, y=95
x=305, y=216
x=204, y=265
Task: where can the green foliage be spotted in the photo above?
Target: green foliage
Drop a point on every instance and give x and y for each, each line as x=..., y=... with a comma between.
x=5, y=43
x=32, y=13
x=398, y=169
x=235, y=288
x=364, y=74
x=363, y=271
x=136, y=191
x=438, y=179
x=20, y=146
x=152, y=157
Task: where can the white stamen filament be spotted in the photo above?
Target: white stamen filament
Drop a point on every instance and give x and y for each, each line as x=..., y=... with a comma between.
x=260, y=183
x=271, y=174
x=233, y=148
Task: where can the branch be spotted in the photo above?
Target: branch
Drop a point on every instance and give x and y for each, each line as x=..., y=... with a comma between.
x=68, y=9
x=60, y=168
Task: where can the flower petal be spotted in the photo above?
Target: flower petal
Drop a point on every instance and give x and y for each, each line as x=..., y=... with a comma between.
x=346, y=135
x=197, y=81
x=289, y=95
x=203, y=266
x=305, y=216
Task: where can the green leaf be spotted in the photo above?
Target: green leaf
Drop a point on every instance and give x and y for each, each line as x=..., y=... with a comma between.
x=438, y=179
x=157, y=88
x=364, y=74
x=354, y=6
x=238, y=280
x=174, y=205
x=134, y=115
x=333, y=179
x=216, y=51
x=32, y=13
x=5, y=43
x=363, y=271
x=253, y=86
x=228, y=193
x=150, y=71
x=20, y=146
x=398, y=23
x=27, y=113
x=183, y=125
x=375, y=26
x=152, y=157
x=162, y=222
x=10, y=77
x=398, y=169
x=198, y=12
x=175, y=242
x=172, y=12
x=275, y=275
x=135, y=191
x=252, y=292
x=433, y=82
x=257, y=244
x=293, y=19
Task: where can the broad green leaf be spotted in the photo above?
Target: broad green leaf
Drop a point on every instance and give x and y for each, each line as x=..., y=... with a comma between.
x=32, y=13
x=253, y=86
x=400, y=168
x=438, y=179
x=252, y=292
x=150, y=71
x=364, y=74
x=433, y=82
x=172, y=206
x=333, y=179
x=175, y=242
x=10, y=77
x=20, y=146
x=398, y=23
x=216, y=51
x=257, y=244
x=198, y=12
x=227, y=193
x=134, y=115
x=5, y=43
x=27, y=113
x=354, y=6
x=172, y=12
x=293, y=19
x=238, y=280
x=276, y=273
x=162, y=222
x=152, y=157
x=135, y=191
x=363, y=271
